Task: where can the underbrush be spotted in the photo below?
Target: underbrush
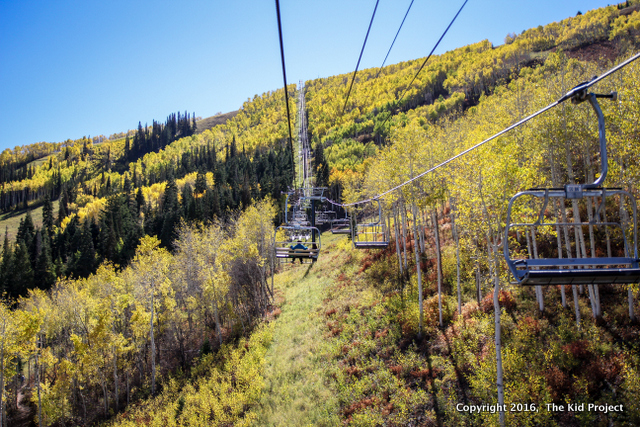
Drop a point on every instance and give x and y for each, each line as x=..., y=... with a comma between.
x=386, y=375
x=222, y=389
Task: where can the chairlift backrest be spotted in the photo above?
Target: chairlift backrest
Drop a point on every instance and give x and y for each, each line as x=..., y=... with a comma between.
x=552, y=244
x=371, y=232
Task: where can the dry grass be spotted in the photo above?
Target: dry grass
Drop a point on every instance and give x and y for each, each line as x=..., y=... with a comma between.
x=212, y=121
x=296, y=385
x=11, y=220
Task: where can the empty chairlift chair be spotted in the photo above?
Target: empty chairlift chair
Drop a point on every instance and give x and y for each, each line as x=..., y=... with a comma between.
x=325, y=216
x=368, y=228
x=579, y=234
x=341, y=225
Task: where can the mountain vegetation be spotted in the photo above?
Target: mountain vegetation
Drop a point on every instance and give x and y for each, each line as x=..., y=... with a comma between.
x=148, y=297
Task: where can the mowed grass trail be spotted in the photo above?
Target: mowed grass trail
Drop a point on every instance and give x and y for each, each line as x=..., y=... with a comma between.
x=297, y=392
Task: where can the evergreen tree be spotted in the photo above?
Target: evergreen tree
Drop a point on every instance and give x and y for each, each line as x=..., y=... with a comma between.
x=63, y=206
x=6, y=267
x=107, y=239
x=82, y=262
x=213, y=202
x=321, y=166
x=170, y=199
x=245, y=194
x=45, y=271
x=188, y=203
x=126, y=187
x=127, y=149
x=201, y=182
x=139, y=200
x=26, y=233
x=22, y=272
x=47, y=215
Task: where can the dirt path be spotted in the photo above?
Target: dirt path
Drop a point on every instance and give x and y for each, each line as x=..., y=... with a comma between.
x=296, y=388
x=24, y=416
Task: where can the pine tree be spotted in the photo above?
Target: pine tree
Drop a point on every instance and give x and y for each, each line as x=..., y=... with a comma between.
x=6, y=267
x=201, y=182
x=139, y=199
x=26, y=233
x=84, y=258
x=245, y=194
x=22, y=272
x=45, y=269
x=47, y=215
x=170, y=199
x=321, y=166
x=108, y=239
x=127, y=149
x=188, y=205
x=63, y=206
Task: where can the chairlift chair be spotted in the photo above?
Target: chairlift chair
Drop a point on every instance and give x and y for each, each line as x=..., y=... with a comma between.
x=341, y=225
x=610, y=232
x=370, y=235
x=324, y=216
x=298, y=249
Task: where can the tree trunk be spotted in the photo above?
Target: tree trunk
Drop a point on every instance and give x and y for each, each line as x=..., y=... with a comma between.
x=103, y=384
x=559, y=239
x=397, y=232
x=496, y=309
x=39, y=393
x=217, y=318
x=421, y=231
x=153, y=352
x=436, y=236
x=115, y=378
x=538, y=289
x=574, y=289
x=403, y=213
x=2, y=377
x=418, y=269
x=454, y=230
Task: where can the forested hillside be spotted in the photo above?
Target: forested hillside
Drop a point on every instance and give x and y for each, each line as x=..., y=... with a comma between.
x=153, y=296
x=113, y=193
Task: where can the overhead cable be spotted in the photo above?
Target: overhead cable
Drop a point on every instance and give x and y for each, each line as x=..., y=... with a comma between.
x=394, y=39
x=360, y=57
x=433, y=50
x=284, y=74
x=427, y=58
x=568, y=95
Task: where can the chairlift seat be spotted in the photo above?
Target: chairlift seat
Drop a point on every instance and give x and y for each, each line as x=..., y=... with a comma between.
x=575, y=271
x=579, y=276
x=370, y=245
x=285, y=251
x=370, y=235
x=341, y=226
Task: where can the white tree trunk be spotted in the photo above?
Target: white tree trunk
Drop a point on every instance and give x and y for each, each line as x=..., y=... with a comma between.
x=436, y=235
x=457, y=241
x=153, y=352
x=397, y=232
x=418, y=270
x=498, y=340
x=403, y=213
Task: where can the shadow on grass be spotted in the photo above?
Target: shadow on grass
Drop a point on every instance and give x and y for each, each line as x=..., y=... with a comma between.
x=306, y=273
x=434, y=392
x=462, y=383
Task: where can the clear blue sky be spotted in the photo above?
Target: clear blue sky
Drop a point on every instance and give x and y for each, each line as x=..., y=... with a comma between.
x=75, y=68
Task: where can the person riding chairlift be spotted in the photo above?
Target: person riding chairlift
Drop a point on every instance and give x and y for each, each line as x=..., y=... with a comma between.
x=298, y=246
